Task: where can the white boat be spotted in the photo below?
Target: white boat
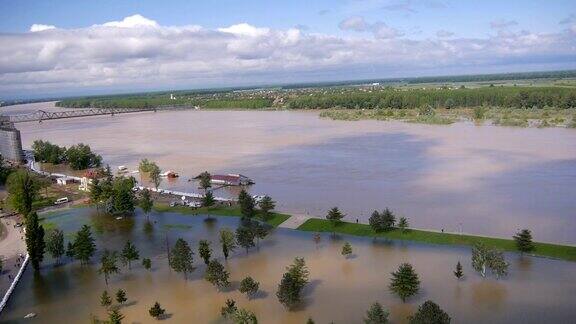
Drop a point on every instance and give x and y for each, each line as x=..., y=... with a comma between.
x=122, y=168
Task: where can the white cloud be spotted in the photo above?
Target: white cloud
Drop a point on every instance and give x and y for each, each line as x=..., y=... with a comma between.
x=502, y=24
x=355, y=23
x=115, y=56
x=379, y=29
x=40, y=27
x=132, y=21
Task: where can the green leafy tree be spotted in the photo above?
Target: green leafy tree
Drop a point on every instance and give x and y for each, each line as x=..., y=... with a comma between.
x=217, y=275
x=266, y=206
x=205, y=180
x=376, y=222
x=485, y=258
x=182, y=257
x=404, y=282
x=129, y=253
x=204, y=250
x=347, y=249
x=84, y=246
x=4, y=171
x=247, y=204
x=123, y=198
x=23, y=189
x=335, y=217
x=145, y=165
x=70, y=250
x=81, y=157
x=245, y=237
x=45, y=151
x=249, y=286
x=227, y=241
x=429, y=313
x=55, y=244
x=243, y=316
x=403, y=224
x=208, y=199
x=95, y=194
x=310, y=321
x=108, y=264
x=121, y=296
x=147, y=263
x=228, y=309
x=458, y=273
x=115, y=317
x=155, y=176
x=105, y=299
x=260, y=232
x=156, y=311
x=293, y=281
x=35, y=240
x=389, y=219
x=523, y=241
x=376, y=315
x=146, y=202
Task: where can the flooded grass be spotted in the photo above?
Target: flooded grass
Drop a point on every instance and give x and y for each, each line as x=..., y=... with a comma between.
x=562, y=252
x=274, y=219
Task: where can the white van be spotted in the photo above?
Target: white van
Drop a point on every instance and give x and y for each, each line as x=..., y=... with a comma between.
x=60, y=201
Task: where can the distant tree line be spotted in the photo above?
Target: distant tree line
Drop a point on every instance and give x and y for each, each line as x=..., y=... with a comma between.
x=79, y=156
x=152, y=102
x=389, y=98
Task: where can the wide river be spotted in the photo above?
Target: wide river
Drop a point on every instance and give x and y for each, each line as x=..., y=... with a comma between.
x=476, y=179
x=536, y=290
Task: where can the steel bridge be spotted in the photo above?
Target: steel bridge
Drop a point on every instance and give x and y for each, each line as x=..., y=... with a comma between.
x=41, y=115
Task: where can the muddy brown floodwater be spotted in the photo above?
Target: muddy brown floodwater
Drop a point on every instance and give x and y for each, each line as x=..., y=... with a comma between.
x=481, y=180
x=537, y=290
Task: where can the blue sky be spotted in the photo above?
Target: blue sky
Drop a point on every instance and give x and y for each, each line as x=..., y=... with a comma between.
x=288, y=41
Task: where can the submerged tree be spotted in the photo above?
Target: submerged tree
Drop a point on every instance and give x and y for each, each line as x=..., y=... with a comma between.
x=147, y=263
x=293, y=281
x=129, y=254
x=84, y=246
x=317, y=238
x=458, y=273
x=105, y=299
x=217, y=275
x=260, y=232
x=228, y=309
x=146, y=202
x=108, y=264
x=523, y=241
x=121, y=296
x=376, y=315
x=156, y=311
x=347, y=249
x=245, y=237
x=227, y=241
x=249, y=286
x=55, y=244
x=243, y=316
x=429, y=313
x=181, y=258
x=484, y=258
x=115, y=317
x=35, y=240
x=154, y=175
x=204, y=250
x=404, y=282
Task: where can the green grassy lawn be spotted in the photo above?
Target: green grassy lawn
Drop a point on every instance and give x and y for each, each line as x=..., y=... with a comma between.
x=562, y=252
x=275, y=219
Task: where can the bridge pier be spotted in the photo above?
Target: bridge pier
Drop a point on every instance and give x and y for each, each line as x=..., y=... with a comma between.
x=10, y=141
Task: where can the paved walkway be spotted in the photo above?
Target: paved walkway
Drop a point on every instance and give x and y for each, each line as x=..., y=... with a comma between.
x=295, y=221
x=11, y=247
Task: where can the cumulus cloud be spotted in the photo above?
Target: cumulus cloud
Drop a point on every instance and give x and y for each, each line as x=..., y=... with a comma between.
x=40, y=27
x=126, y=55
x=132, y=21
x=355, y=23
